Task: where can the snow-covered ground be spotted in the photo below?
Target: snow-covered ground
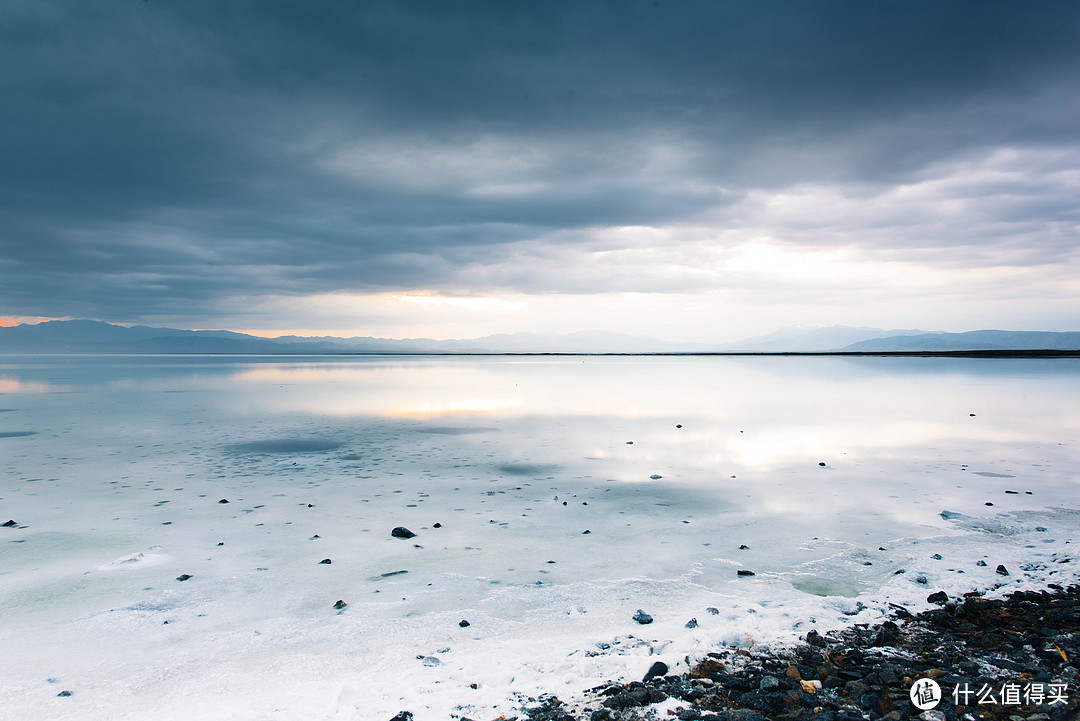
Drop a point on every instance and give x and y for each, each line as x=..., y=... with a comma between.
x=551, y=499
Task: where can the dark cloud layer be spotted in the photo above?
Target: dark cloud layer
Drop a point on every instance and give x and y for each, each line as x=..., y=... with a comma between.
x=161, y=156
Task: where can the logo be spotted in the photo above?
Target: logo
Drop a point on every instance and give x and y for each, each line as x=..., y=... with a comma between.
x=925, y=694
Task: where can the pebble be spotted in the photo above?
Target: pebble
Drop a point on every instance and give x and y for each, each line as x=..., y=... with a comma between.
x=1001, y=570
x=224, y=500
x=326, y=561
x=183, y=577
x=8, y=524
x=642, y=617
x=402, y=532
x=659, y=668
x=340, y=605
x=463, y=623
x=744, y=572
x=939, y=598
x=692, y=623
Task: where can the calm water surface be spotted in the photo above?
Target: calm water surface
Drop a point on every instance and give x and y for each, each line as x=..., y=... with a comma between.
x=587, y=485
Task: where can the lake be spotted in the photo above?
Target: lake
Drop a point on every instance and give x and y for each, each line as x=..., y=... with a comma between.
x=551, y=498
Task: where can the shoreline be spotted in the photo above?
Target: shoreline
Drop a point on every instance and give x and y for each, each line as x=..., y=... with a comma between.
x=1010, y=658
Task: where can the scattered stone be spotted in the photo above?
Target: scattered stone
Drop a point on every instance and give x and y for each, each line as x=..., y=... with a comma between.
x=340, y=605
x=585, y=531
x=936, y=557
x=403, y=716
x=973, y=641
x=183, y=577
x=980, y=562
x=8, y=524
x=629, y=443
x=221, y=543
x=939, y=598
x=712, y=611
x=642, y=617
x=326, y=561
x=316, y=536
x=821, y=463
x=402, y=532
x=678, y=425
x=744, y=572
x=224, y=500
x=657, y=669
x=388, y=574
x=744, y=547
x=1002, y=571
x=692, y=623
x=655, y=477
x=988, y=503
x=463, y=623
x=437, y=525
x=64, y=694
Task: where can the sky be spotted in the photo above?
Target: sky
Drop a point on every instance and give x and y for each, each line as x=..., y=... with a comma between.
x=690, y=171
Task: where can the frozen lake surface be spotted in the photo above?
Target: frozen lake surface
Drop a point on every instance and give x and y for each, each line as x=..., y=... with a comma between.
x=551, y=498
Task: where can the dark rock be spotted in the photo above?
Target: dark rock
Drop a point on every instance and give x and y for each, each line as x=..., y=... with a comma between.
x=744, y=547
x=224, y=500
x=8, y=524
x=388, y=574
x=64, y=694
x=886, y=635
x=642, y=617
x=657, y=669
x=403, y=716
x=936, y=557
x=821, y=463
x=744, y=572
x=939, y=598
x=585, y=532
x=183, y=577
x=980, y=562
x=340, y=605
x=402, y=532
x=814, y=639
x=326, y=561
x=463, y=623
x=436, y=525
x=712, y=611
x=1002, y=571
x=678, y=425
x=692, y=623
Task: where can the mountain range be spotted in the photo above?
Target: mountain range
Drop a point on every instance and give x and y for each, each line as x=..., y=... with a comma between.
x=87, y=336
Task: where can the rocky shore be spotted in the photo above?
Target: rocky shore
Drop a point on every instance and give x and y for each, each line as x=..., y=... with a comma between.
x=1013, y=658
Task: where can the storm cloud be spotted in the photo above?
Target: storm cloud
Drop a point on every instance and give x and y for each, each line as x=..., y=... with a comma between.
x=164, y=159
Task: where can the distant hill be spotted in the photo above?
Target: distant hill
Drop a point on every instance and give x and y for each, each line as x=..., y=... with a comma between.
x=973, y=340
x=801, y=338
x=85, y=336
